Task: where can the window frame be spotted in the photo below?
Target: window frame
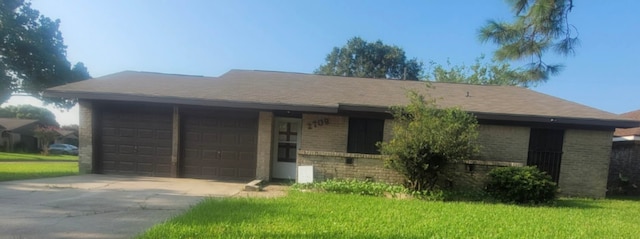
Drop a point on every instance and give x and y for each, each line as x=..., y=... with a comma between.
x=363, y=134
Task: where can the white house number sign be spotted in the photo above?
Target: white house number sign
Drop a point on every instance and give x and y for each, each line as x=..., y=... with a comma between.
x=318, y=123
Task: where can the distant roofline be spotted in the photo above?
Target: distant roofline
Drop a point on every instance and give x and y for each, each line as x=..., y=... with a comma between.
x=356, y=77
x=157, y=73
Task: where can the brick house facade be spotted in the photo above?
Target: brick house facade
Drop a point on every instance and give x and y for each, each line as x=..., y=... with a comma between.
x=239, y=126
x=624, y=169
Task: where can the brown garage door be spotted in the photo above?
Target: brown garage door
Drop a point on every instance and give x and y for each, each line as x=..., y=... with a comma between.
x=219, y=144
x=135, y=141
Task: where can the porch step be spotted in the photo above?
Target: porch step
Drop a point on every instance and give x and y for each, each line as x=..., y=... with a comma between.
x=255, y=185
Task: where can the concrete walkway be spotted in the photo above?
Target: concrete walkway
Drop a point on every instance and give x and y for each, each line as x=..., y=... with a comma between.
x=98, y=206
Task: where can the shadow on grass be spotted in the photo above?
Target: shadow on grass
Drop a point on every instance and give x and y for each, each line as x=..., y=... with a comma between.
x=10, y=176
x=577, y=203
x=634, y=198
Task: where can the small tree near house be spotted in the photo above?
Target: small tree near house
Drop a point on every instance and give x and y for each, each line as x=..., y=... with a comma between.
x=425, y=138
x=45, y=135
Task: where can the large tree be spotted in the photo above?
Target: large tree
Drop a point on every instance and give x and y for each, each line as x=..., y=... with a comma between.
x=29, y=112
x=539, y=26
x=33, y=54
x=479, y=73
x=359, y=58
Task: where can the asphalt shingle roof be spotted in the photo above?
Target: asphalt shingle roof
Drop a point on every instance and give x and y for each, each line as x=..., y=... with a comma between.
x=317, y=93
x=633, y=115
x=15, y=124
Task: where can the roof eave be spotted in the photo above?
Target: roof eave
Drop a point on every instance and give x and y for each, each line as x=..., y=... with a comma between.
x=189, y=101
x=613, y=123
x=515, y=117
x=328, y=109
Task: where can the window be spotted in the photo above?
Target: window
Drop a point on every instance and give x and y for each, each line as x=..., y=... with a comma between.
x=287, y=141
x=364, y=134
x=545, y=150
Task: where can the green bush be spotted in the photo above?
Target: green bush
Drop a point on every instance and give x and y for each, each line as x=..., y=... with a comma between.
x=521, y=185
x=352, y=186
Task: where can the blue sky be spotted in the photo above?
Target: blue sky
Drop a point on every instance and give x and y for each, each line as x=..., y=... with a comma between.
x=212, y=37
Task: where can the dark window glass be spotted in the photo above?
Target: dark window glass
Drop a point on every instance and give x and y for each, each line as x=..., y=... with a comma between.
x=364, y=134
x=545, y=150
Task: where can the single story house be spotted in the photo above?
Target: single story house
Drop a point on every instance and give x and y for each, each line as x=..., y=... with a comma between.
x=66, y=137
x=624, y=170
x=18, y=135
x=262, y=125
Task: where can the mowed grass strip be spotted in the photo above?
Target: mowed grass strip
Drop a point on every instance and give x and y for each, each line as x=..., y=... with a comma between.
x=29, y=170
x=326, y=215
x=19, y=157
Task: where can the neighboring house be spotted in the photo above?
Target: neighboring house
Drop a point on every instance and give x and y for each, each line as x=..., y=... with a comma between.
x=258, y=124
x=66, y=137
x=18, y=135
x=624, y=171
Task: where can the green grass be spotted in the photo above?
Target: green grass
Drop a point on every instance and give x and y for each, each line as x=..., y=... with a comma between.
x=19, y=157
x=29, y=170
x=327, y=215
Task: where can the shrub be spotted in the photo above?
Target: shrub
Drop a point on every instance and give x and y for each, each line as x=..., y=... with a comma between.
x=352, y=186
x=426, y=138
x=521, y=185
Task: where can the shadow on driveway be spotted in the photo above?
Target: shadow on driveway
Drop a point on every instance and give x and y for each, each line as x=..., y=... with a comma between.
x=98, y=206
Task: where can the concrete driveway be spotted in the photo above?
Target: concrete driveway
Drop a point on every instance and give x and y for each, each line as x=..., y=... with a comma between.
x=98, y=206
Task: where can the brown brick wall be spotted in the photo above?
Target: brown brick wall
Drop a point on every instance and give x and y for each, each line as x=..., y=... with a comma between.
x=330, y=140
x=498, y=144
x=585, y=163
x=363, y=168
x=463, y=176
x=503, y=143
x=388, y=130
x=85, y=136
x=331, y=137
x=265, y=135
x=625, y=160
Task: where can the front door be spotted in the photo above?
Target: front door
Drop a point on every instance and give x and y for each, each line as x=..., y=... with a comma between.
x=285, y=147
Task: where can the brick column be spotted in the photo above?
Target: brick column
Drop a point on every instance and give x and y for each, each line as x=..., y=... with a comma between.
x=585, y=163
x=265, y=128
x=85, y=136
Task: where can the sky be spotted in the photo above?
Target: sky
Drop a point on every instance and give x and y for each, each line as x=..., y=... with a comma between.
x=203, y=37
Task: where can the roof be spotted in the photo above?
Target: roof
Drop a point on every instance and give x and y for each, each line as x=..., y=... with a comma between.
x=15, y=124
x=65, y=133
x=331, y=94
x=633, y=115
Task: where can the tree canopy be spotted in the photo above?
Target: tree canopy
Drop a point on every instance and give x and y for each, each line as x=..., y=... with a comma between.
x=29, y=112
x=33, y=54
x=359, y=58
x=480, y=73
x=539, y=26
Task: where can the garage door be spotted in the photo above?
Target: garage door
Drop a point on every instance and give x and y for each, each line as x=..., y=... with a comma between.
x=219, y=145
x=135, y=141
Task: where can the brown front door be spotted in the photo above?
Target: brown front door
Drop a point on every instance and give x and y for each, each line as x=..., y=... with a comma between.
x=219, y=144
x=135, y=141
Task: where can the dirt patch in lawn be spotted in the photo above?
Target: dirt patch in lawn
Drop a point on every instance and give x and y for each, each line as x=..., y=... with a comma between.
x=271, y=190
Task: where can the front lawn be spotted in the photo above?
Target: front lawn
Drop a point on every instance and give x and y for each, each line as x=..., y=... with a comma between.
x=29, y=170
x=327, y=215
x=20, y=157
